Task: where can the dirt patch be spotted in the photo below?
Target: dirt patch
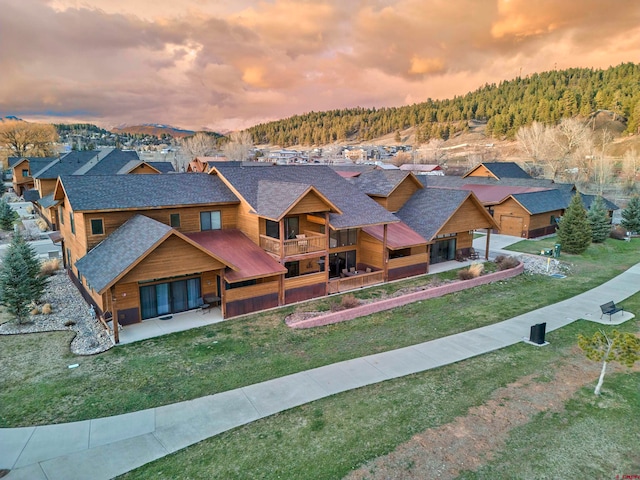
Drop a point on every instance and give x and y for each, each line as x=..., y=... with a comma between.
x=470, y=441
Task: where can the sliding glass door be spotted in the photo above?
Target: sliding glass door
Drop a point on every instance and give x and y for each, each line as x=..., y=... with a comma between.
x=169, y=297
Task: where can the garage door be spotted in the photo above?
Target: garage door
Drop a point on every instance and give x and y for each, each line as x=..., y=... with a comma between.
x=511, y=225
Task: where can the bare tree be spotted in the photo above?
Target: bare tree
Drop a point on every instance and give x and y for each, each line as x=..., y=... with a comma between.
x=534, y=141
x=201, y=144
x=629, y=170
x=331, y=153
x=28, y=139
x=239, y=146
x=603, y=171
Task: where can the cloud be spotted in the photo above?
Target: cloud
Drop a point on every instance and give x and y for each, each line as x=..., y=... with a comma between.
x=225, y=64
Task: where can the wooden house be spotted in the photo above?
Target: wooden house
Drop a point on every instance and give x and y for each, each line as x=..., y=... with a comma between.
x=251, y=238
x=22, y=169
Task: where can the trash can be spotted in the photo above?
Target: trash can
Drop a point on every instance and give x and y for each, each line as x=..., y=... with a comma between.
x=536, y=335
x=556, y=250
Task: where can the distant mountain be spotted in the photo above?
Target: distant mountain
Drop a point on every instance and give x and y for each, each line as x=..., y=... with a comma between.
x=155, y=129
x=10, y=117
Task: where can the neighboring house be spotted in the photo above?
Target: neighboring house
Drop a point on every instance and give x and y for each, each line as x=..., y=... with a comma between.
x=143, y=246
x=423, y=169
x=108, y=161
x=520, y=205
x=22, y=169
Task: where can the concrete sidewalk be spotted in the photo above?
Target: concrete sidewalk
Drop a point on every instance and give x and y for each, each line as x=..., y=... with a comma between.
x=106, y=447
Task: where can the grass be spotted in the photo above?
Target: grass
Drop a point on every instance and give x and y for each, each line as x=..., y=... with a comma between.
x=592, y=438
x=36, y=387
x=332, y=436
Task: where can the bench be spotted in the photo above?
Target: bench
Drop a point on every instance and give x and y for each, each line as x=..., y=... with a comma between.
x=610, y=308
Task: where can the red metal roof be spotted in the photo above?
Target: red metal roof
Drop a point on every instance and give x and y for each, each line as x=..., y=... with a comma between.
x=399, y=235
x=490, y=194
x=236, y=248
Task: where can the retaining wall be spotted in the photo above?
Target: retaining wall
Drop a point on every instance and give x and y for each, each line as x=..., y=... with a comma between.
x=389, y=303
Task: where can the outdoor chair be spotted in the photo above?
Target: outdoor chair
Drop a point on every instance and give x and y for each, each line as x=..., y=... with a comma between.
x=202, y=305
x=473, y=255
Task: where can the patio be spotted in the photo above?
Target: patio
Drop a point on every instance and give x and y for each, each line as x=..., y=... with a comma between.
x=177, y=322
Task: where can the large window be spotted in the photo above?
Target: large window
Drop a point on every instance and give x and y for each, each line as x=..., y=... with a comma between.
x=210, y=220
x=291, y=228
x=169, y=297
x=72, y=223
x=175, y=220
x=293, y=269
x=343, y=238
x=341, y=260
x=97, y=227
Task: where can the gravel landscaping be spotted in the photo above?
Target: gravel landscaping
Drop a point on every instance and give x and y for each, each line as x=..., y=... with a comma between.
x=69, y=312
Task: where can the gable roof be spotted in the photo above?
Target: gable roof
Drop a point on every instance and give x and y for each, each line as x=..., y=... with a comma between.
x=491, y=194
x=276, y=198
x=501, y=170
x=235, y=248
x=550, y=200
x=35, y=163
x=162, y=167
x=65, y=165
x=356, y=208
x=117, y=253
x=118, y=192
x=429, y=209
x=381, y=183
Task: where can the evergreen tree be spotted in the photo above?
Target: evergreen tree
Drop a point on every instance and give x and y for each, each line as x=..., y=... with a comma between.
x=7, y=216
x=397, y=137
x=574, y=232
x=20, y=280
x=631, y=215
x=599, y=221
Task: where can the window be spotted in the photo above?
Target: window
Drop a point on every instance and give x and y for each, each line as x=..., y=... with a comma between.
x=97, y=228
x=175, y=220
x=25, y=172
x=71, y=223
x=291, y=228
x=61, y=214
x=210, y=220
x=343, y=238
x=272, y=229
x=68, y=258
x=293, y=269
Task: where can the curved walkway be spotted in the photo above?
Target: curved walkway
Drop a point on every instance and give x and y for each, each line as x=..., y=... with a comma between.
x=106, y=447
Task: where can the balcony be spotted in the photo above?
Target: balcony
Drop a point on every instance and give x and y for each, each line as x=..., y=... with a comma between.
x=301, y=245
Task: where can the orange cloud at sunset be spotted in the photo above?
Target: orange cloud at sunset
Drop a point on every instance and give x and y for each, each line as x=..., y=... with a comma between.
x=229, y=65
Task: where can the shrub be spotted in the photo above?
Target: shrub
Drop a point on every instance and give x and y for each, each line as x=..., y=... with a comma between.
x=42, y=225
x=349, y=301
x=618, y=232
x=505, y=263
x=49, y=267
x=476, y=269
x=46, y=309
x=465, y=274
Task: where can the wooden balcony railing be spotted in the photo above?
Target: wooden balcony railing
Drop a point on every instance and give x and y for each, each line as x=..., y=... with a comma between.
x=298, y=246
x=338, y=285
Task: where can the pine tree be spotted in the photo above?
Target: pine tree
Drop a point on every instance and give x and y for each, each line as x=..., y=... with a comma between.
x=574, y=232
x=20, y=279
x=7, y=216
x=631, y=215
x=599, y=221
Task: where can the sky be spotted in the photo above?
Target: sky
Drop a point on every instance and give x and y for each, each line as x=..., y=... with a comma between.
x=229, y=64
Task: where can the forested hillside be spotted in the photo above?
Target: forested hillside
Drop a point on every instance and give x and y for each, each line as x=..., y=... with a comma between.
x=545, y=97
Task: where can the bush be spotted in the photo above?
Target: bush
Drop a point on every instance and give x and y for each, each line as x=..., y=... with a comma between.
x=42, y=225
x=505, y=263
x=46, y=309
x=349, y=301
x=618, y=232
x=49, y=267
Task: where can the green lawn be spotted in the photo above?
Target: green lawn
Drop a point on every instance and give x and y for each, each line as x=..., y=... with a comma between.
x=332, y=436
x=36, y=387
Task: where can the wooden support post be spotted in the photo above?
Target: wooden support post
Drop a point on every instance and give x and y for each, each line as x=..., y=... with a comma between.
x=486, y=248
x=385, y=253
x=114, y=316
x=222, y=294
x=283, y=237
x=326, y=257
